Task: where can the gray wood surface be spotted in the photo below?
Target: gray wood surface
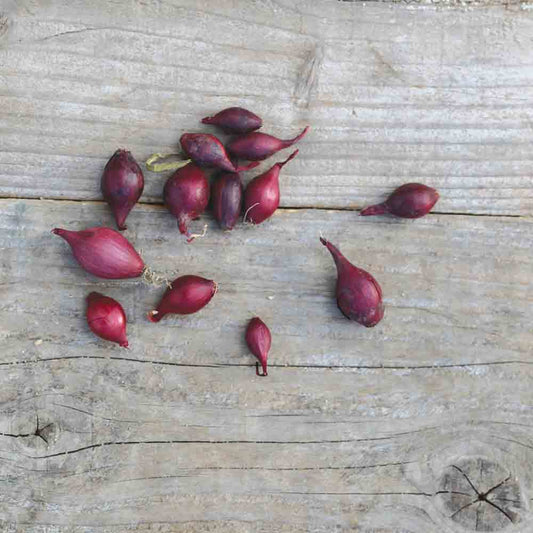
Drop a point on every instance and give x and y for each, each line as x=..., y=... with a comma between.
x=353, y=427
x=423, y=424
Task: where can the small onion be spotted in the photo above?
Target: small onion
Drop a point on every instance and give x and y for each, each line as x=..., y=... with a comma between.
x=187, y=295
x=259, y=340
x=103, y=252
x=411, y=200
x=359, y=295
x=106, y=318
x=122, y=185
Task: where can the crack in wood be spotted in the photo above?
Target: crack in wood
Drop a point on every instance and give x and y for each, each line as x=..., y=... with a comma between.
x=500, y=499
x=267, y=469
x=427, y=494
x=38, y=432
x=515, y=442
x=467, y=478
x=478, y=519
x=499, y=509
x=485, y=494
x=463, y=507
x=453, y=492
x=225, y=442
x=161, y=205
x=16, y=435
x=273, y=365
x=60, y=34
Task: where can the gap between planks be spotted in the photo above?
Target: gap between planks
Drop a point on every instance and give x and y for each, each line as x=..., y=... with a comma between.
x=159, y=205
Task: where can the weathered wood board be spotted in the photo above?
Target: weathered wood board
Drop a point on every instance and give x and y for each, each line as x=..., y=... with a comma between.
x=422, y=424
x=435, y=272
x=350, y=421
x=393, y=94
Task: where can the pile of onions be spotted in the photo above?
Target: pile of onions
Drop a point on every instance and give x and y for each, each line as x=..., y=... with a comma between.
x=106, y=253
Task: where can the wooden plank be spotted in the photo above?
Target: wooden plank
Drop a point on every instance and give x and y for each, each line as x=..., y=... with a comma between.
x=392, y=94
x=423, y=423
x=354, y=429
x=435, y=272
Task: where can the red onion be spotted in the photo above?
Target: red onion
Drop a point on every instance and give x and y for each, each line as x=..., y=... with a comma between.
x=186, y=196
x=207, y=151
x=103, y=252
x=122, y=185
x=226, y=195
x=261, y=197
x=412, y=200
x=187, y=295
x=259, y=340
x=106, y=318
x=359, y=295
x=235, y=120
x=257, y=146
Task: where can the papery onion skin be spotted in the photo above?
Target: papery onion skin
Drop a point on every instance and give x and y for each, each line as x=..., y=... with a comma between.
x=359, y=296
x=122, y=185
x=103, y=252
x=207, y=151
x=235, y=120
x=259, y=340
x=226, y=199
x=411, y=200
x=186, y=195
x=187, y=294
x=262, y=195
x=106, y=318
x=257, y=146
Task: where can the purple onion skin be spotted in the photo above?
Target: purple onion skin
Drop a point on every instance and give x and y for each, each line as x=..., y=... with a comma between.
x=226, y=197
x=106, y=318
x=411, y=200
x=257, y=146
x=261, y=198
x=187, y=295
x=235, y=120
x=259, y=340
x=359, y=295
x=122, y=185
x=207, y=151
x=103, y=252
x=186, y=195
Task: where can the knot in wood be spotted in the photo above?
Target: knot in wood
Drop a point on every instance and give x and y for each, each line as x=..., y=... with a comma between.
x=4, y=25
x=480, y=495
x=43, y=434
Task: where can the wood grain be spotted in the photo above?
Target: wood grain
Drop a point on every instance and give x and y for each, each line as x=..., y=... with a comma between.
x=421, y=424
x=353, y=429
x=392, y=94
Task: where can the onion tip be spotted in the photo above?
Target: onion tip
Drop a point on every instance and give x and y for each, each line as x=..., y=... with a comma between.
x=292, y=156
x=378, y=209
x=265, y=373
x=154, y=316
